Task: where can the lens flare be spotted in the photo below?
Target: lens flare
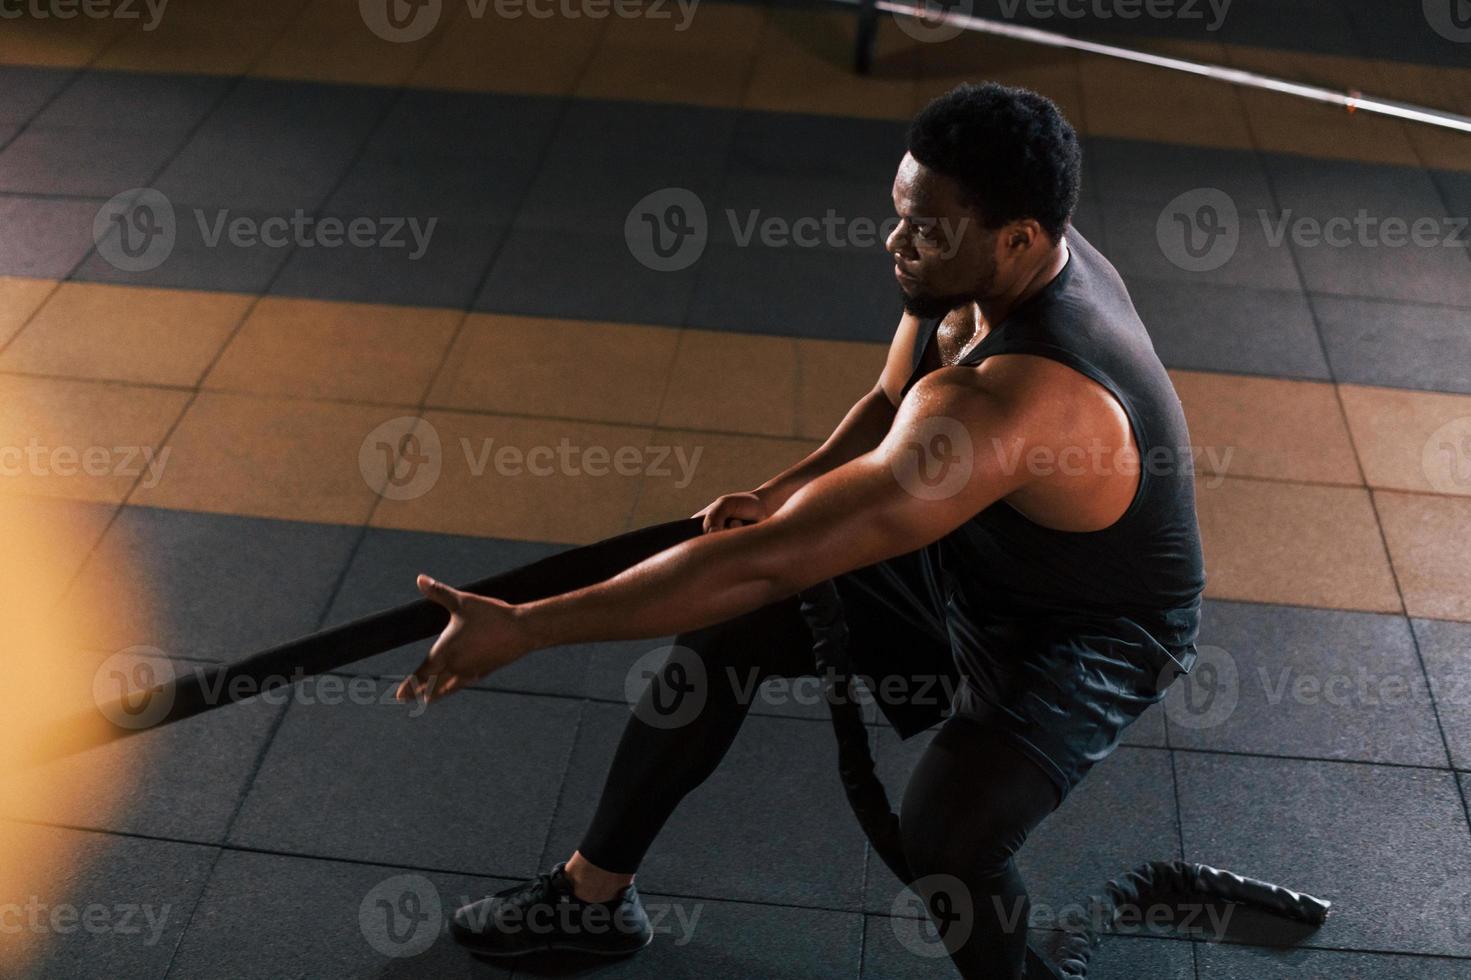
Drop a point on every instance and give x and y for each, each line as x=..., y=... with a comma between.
x=50, y=675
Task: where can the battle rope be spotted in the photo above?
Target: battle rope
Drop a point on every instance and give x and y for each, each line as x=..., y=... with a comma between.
x=822, y=609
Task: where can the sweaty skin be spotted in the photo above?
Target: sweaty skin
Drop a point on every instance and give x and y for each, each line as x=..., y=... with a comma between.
x=849, y=504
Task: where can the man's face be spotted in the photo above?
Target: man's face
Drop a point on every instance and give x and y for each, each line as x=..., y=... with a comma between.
x=943, y=257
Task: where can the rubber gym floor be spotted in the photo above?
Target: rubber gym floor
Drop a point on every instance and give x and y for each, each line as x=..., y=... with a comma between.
x=191, y=469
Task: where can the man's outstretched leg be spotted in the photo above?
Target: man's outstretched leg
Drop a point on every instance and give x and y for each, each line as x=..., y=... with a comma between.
x=970, y=804
x=682, y=727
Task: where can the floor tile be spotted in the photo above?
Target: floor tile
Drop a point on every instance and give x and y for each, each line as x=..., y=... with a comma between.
x=1150, y=171
x=1427, y=538
x=402, y=174
x=701, y=466
x=508, y=54
x=701, y=56
x=1254, y=963
x=44, y=238
x=609, y=372
x=423, y=264
x=1411, y=440
x=469, y=783
x=273, y=146
x=753, y=859
x=181, y=782
x=832, y=375
x=325, y=920
x=1273, y=429
x=202, y=39
x=946, y=63
x=1294, y=544
x=28, y=90
x=815, y=145
x=352, y=351
x=1363, y=255
x=732, y=383
x=891, y=950
x=1280, y=680
x=212, y=586
x=802, y=211
x=112, y=100
x=1388, y=846
x=67, y=530
x=211, y=248
x=1446, y=648
x=269, y=457
x=696, y=938
x=611, y=284
x=804, y=64
x=19, y=298
x=140, y=893
x=1432, y=348
x=121, y=333
x=1205, y=327
x=1186, y=110
x=1146, y=238
x=59, y=44
x=801, y=292
x=526, y=478
x=327, y=43
x=83, y=162
x=84, y=440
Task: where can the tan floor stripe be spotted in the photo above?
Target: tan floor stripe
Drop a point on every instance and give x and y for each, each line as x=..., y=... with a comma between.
x=648, y=424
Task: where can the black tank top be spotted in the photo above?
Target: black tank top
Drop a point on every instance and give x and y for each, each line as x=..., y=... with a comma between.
x=1148, y=564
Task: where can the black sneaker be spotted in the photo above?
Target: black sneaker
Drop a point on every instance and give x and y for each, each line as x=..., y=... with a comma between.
x=543, y=914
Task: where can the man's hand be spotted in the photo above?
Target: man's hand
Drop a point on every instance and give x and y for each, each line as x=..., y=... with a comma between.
x=483, y=635
x=733, y=510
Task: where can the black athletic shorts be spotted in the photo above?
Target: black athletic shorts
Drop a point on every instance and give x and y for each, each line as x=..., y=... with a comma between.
x=1063, y=689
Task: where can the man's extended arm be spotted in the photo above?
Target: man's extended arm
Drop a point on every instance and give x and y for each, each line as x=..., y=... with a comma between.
x=866, y=510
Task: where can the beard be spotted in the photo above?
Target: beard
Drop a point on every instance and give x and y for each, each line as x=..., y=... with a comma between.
x=927, y=306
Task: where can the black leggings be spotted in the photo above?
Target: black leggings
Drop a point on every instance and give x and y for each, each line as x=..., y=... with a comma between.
x=969, y=805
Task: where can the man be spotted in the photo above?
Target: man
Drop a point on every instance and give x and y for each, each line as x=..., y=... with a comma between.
x=1010, y=511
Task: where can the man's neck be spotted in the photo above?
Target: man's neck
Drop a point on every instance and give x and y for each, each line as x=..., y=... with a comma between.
x=990, y=312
